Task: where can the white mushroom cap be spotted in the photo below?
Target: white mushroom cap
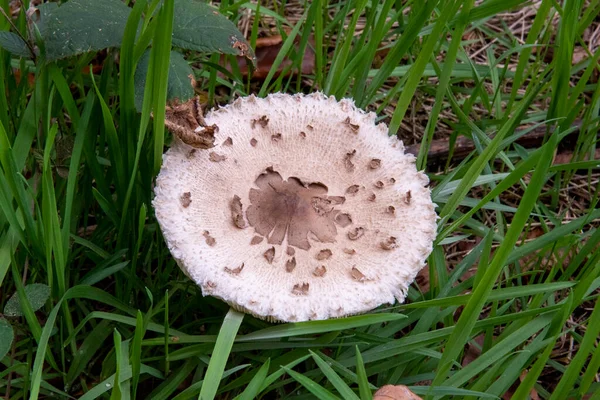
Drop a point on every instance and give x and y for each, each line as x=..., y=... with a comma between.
x=304, y=209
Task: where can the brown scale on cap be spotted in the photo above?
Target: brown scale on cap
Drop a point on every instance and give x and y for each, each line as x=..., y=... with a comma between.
x=228, y=142
x=234, y=271
x=300, y=289
x=256, y=240
x=391, y=210
x=343, y=220
x=209, y=286
x=389, y=244
x=321, y=205
x=253, y=142
x=320, y=271
x=186, y=199
x=353, y=127
x=372, y=197
x=283, y=209
x=356, y=233
x=290, y=264
x=407, y=198
x=269, y=255
x=209, y=239
x=350, y=251
x=348, y=164
x=379, y=184
x=357, y=275
x=290, y=251
x=353, y=189
x=237, y=215
x=215, y=157
x=309, y=127
x=191, y=153
x=262, y=121
x=392, y=181
x=276, y=137
x=337, y=199
x=375, y=163
x=324, y=255
x=303, y=134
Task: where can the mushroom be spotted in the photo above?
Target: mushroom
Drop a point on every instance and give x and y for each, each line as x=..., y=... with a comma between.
x=310, y=247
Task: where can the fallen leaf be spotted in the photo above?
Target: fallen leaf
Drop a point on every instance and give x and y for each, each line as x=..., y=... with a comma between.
x=397, y=392
x=266, y=51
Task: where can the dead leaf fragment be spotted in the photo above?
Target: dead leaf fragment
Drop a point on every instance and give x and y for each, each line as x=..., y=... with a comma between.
x=398, y=392
x=185, y=121
x=241, y=46
x=266, y=51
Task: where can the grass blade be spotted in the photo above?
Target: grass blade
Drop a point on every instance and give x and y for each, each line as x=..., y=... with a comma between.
x=363, y=381
x=334, y=378
x=319, y=391
x=218, y=360
x=253, y=388
x=313, y=327
x=471, y=312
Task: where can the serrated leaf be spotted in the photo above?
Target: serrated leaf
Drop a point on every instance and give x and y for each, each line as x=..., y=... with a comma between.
x=79, y=26
x=179, y=86
x=198, y=26
x=13, y=43
x=6, y=337
x=36, y=293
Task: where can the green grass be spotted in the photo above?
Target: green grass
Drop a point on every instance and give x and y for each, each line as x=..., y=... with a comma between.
x=122, y=321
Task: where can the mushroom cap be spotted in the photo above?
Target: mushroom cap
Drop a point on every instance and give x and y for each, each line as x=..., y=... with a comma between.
x=305, y=209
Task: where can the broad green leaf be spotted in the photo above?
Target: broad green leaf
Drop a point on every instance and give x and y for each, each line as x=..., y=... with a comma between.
x=12, y=42
x=80, y=26
x=6, y=337
x=179, y=85
x=198, y=26
x=37, y=294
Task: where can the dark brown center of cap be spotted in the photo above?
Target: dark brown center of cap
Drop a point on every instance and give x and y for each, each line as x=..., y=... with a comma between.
x=293, y=208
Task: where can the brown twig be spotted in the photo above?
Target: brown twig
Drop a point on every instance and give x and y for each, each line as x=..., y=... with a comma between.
x=439, y=150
